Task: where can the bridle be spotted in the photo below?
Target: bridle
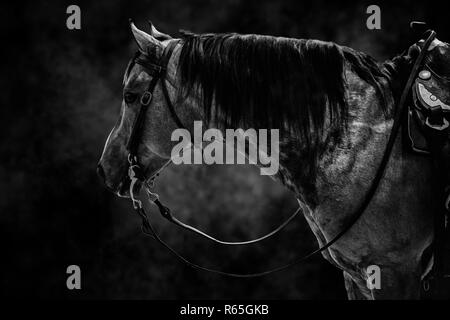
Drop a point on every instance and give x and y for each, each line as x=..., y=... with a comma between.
x=135, y=173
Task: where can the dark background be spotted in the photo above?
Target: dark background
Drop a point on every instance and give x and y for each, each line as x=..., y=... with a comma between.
x=61, y=92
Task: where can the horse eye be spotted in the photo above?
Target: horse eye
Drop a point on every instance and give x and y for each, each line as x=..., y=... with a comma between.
x=129, y=97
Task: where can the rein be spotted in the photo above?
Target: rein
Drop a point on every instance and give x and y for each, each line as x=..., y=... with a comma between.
x=135, y=173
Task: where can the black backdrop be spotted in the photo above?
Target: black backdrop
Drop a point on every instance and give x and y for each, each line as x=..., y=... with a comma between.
x=61, y=93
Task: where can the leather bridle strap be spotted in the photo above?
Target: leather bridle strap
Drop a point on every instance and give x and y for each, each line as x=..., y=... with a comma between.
x=166, y=213
x=166, y=93
x=146, y=98
x=148, y=229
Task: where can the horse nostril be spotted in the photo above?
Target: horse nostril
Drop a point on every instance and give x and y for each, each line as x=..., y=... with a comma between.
x=101, y=172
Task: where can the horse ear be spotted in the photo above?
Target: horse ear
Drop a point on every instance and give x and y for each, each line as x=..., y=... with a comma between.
x=157, y=34
x=146, y=42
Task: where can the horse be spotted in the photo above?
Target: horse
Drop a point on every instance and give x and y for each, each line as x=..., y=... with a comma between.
x=334, y=107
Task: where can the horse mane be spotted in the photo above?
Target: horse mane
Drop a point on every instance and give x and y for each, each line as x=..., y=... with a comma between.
x=294, y=85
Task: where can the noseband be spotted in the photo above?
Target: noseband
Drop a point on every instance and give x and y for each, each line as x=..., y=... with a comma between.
x=135, y=173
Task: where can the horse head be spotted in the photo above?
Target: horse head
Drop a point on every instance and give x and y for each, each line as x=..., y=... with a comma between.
x=153, y=143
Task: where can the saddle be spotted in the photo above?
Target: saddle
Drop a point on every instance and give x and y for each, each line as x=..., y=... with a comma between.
x=429, y=112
